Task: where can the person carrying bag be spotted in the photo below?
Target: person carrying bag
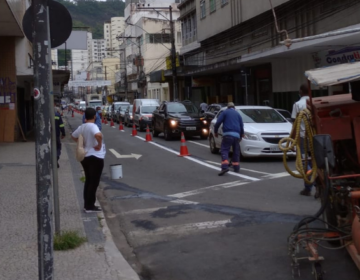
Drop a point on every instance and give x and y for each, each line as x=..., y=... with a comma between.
x=90, y=152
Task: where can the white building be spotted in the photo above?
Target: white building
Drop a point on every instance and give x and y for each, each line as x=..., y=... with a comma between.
x=113, y=29
x=96, y=49
x=149, y=45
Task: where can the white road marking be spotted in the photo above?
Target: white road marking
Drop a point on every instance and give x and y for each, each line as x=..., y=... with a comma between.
x=202, y=163
x=250, y=170
x=207, y=146
x=180, y=201
x=277, y=175
x=143, y=211
x=117, y=155
x=179, y=229
x=214, y=188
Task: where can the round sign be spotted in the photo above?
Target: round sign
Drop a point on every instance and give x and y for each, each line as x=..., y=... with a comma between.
x=36, y=93
x=60, y=23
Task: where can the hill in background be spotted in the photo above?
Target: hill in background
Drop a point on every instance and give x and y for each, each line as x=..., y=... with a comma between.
x=93, y=14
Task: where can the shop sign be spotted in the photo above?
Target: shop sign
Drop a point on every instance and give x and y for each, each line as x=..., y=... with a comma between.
x=202, y=82
x=333, y=57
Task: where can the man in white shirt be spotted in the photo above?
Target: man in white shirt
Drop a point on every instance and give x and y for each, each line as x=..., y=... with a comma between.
x=297, y=108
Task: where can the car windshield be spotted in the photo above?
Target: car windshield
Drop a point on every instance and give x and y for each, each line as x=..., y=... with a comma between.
x=130, y=108
x=191, y=108
x=95, y=104
x=121, y=107
x=260, y=116
x=285, y=113
x=176, y=108
x=148, y=109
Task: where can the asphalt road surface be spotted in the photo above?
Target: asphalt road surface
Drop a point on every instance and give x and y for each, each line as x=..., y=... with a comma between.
x=184, y=222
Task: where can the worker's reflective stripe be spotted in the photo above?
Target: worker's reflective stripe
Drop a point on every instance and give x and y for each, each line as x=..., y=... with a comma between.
x=57, y=118
x=235, y=163
x=62, y=125
x=225, y=162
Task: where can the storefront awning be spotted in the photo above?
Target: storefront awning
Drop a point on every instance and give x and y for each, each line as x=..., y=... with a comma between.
x=333, y=75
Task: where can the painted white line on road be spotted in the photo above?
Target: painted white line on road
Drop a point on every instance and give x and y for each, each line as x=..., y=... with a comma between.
x=180, y=201
x=143, y=211
x=178, y=229
x=277, y=175
x=250, y=170
x=207, y=146
x=203, y=163
x=117, y=155
x=213, y=188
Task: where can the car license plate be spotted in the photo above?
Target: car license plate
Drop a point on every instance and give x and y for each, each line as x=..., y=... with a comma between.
x=274, y=149
x=191, y=128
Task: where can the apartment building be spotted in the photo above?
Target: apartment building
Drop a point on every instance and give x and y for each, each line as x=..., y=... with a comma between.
x=226, y=42
x=147, y=46
x=112, y=29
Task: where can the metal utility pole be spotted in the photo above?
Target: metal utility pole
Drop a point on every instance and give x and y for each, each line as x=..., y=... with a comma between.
x=173, y=56
x=41, y=42
x=54, y=161
x=126, y=83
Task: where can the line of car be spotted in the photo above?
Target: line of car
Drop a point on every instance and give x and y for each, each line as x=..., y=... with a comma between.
x=264, y=126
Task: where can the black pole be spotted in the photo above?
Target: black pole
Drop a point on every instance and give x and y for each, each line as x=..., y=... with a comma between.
x=43, y=138
x=173, y=56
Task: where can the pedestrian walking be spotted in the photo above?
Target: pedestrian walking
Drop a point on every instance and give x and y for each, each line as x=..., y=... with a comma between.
x=203, y=107
x=60, y=133
x=93, y=162
x=297, y=108
x=98, y=118
x=233, y=131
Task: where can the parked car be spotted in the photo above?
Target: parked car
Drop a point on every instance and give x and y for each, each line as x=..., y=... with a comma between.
x=118, y=111
x=142, y=112
x=286, y=114
x=212, y=111
x=264, y=128
x=128, y=117
x=172, y=118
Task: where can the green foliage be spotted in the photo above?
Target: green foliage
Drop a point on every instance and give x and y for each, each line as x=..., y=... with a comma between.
x=68, y=240
x=82, y=179
x=93, y=14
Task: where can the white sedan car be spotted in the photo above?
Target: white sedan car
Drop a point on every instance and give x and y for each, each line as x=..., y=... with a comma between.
x=264, y=128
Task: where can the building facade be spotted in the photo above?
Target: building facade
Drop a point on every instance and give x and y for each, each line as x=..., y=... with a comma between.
x=147, y=47
x=238, y=55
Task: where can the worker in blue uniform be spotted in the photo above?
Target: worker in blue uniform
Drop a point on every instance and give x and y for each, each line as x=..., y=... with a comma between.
x=233, y=131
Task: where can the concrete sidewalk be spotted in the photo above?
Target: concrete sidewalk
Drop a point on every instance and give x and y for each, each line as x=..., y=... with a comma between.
x=98, y=259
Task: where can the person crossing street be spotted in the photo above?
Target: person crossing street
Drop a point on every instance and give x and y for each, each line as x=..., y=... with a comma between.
x=233, y=131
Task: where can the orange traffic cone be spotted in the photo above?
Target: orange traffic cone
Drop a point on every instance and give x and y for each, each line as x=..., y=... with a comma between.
x=106, y=121
x=121, y=127
x=102, y=120
x=148, y=135
x=134, y=131
x=112, y=122
x=183, y=149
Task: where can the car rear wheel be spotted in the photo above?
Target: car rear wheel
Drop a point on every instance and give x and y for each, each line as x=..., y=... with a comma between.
x=167, y=134
x=212, y=143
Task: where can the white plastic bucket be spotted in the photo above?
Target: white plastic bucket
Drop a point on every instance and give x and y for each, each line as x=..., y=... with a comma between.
x=116, y=171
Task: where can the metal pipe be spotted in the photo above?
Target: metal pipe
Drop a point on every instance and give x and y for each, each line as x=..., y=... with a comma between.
x=321, y=36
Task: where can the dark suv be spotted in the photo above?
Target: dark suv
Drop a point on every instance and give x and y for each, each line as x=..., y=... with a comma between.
x=172, y=118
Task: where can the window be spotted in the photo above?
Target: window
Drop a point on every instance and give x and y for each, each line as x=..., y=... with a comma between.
x=158, y=38
x=224, y=2
x=202, y=9
x=212, y=6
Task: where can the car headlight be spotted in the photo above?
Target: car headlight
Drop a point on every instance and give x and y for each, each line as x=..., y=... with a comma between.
x=204, y=122
x=131, y=117
x=173, y=123
x=250, y=136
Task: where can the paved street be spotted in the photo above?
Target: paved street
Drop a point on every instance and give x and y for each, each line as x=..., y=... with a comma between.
x=183, y=221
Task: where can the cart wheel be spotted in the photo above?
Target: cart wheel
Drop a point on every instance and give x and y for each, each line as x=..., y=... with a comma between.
x=318, y=272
